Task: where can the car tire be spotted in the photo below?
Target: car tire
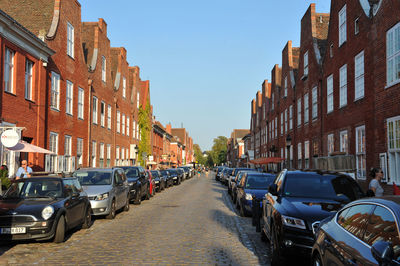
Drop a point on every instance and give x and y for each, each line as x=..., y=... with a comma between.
x=87, y=221
x=111, y=215
x=126, y=207
x=59, y=235
x=276, y=258
x=316, y=261
x=138, y=199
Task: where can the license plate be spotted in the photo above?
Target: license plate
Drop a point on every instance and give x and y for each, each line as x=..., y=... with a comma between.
x=13, y=230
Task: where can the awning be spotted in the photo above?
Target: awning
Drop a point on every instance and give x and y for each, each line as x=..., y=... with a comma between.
x=267, y=160
x=23, y=146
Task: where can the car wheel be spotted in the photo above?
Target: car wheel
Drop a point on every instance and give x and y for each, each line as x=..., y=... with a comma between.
x=60, y=230
x=317, y=260
x=126, y=207
x=87, y=222
x=276, y=258
x=111, y=215
x=138, y=199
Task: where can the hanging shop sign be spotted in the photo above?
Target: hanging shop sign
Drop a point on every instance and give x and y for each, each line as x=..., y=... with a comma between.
x=9, y=138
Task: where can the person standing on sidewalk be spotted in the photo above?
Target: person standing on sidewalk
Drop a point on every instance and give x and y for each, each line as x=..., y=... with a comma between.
x=24, y=171
x=374, y=184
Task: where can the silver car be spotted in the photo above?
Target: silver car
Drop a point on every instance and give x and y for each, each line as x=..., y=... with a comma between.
x=107, y=188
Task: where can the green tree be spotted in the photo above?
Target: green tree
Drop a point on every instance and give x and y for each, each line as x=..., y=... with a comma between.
x=219, y=150
x=145, y=130
x=198, y=154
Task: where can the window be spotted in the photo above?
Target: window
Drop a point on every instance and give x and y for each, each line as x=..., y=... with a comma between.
x=286, y=120
x=291, y=117
x=70, y=40
x=122, y=153
x=356, y=26
x=134, y=129
x=127, y=125
x=306, y=110
x=342, y=26
x=124, y=87
x=344, y=141
x=315, y=147
x=331, y=143
x=359, y=76
x=95, y=110
x=69, y=97
x=305, y=64
x=9, y=71
x=285, y=88
x=393, y=55
x=276, y=127
x=55, y=91
x=53, y=146
x=118, y=122
x=298, y=111
x=67, y=145
x=94, y=153
x=109, y=117
x=281, y=124
x=343, y=86
x=138, y=101
x=137, y=131
x=117, y=153
x=79, y=150
x=306, y=154
x=81, y=96
x=272, y=102
x=393, y=131
x=102, y=113
x=360, y=152
x=314, y=103
x=103, y=68
x=28, y=79
x=299, y=156
x=101, y=155
x=108, y=155
x=123, y=124
x=329, y=93
x=353, y=219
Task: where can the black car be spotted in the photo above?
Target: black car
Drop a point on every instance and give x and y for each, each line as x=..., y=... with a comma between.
x=296, y=203
x=233, y=177
x=176, y=176
x=43, y=208
x=168, y=178
x=218, y=172
x=181, y=173
x=187, y=171
x=364, y=232
x=234, y=185
x=159, y=180
x=138, y=181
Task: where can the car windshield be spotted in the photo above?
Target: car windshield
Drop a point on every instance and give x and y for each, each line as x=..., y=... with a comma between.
x=35, y=188
x=93, y=178
x=322, y=186
x=259, y=181
x=131, y=172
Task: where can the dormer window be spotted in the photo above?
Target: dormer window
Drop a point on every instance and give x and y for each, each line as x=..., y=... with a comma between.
x=305, y=63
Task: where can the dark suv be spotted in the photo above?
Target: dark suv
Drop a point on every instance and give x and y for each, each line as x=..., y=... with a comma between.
x=138, y=183
x=295, y=204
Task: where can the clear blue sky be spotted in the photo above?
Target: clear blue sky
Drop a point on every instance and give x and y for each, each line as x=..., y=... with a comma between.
x=205, y=59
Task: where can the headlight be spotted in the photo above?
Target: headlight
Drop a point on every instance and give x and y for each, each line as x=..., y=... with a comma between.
x=293, y=222
x=47, y=212
x=131, y=183
x=249, y=196
x=102, y=196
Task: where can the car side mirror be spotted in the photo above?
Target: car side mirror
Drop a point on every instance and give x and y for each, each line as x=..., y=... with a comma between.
x=383, y=252
x=273, y=189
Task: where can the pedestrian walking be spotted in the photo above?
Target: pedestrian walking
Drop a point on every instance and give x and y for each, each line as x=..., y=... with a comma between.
x=374, y=185
x=24, y=171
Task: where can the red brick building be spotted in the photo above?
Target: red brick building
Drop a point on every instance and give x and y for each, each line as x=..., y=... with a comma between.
x=23, y=79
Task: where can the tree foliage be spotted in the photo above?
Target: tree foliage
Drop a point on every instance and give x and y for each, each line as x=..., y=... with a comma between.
x=219, y=150
x=145, y=131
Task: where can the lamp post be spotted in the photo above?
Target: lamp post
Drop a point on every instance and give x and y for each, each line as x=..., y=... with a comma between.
x=288, y=144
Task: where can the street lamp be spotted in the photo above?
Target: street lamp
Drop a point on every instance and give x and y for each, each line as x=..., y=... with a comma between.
x=288, y=144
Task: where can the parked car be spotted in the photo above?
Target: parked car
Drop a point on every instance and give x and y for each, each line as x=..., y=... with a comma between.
x=234, y=185
x=218, y=172
x=168, y=178
x=364, y=232
x=252, y=183
x=152, y=187
x=296, y=203
x=138, y=183
x=187, y=171
x=181, y=174
x=232, y=178
x=176, y=176
x=43, y=208
x=226, y=173
x=159, y=180
x=107, y=188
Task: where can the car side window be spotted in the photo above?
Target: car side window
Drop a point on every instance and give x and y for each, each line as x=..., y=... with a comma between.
x=70, y=187
x=122, y=175
x=354, y=220
x=279, y=181
x=116, y=178
x=77, y=185
x=382, y=227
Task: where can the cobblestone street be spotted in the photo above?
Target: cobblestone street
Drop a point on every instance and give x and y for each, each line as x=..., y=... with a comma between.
x=193, y=223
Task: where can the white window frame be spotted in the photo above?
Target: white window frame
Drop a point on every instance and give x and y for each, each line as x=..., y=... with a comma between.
x=79, y=150
x=138, y=100
x=343, y=86
x=124, y=87
x=103, y=68
x=67, y=145
x=360, y=152
x=344, y=141
x=117, y=153
x=70, y=40
x=331, y=143
x=28, y=79
x=342, y=26
x=109, y=115
x=95, y=110
x=392, y=56
x=286, y=120
x=315, y=103
x=102, y=113
x=299, y=156
x=359, y=76
x=128, y=121
x=53, y=142
x=69, y=98
x=118, y=121
x=306, y=109
x=285, y=87
x=94, y=153
x=123, y=125
x=305, y=64
x=55, y=91
x=134, y=129
x=299, y=112
x=290, y=117
x=9, y=70
x=329, y=94
x=306, y=154
x=81, y=104
x=393, y=137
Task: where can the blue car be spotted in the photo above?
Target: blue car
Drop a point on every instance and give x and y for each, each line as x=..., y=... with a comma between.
x=252, y=183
